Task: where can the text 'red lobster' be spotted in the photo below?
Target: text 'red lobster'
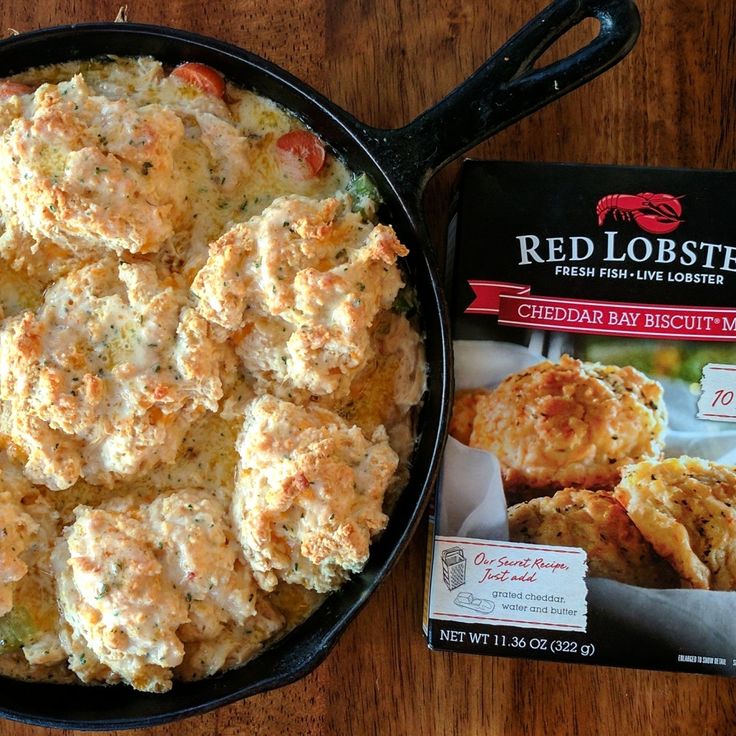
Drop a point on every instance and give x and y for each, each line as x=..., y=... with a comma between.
x=653, y=213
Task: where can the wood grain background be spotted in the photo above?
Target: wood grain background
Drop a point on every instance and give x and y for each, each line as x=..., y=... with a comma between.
x=670, y=102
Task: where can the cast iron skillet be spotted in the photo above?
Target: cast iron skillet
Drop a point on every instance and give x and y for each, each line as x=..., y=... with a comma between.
x=400, y=162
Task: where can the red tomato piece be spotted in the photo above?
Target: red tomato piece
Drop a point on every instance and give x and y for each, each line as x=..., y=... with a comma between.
x=209, y=80
x=301, y=153
x=8, y=89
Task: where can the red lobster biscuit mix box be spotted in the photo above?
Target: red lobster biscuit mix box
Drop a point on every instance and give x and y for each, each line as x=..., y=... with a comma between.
x=587, y=505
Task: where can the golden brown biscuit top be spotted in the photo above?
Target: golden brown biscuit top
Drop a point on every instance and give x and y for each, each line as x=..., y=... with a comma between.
x=595, y=521
x=309, y=493
x=570, y=424
x=686, y=508
x=298, y=288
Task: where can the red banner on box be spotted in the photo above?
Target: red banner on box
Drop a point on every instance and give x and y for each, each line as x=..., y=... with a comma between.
x=516, y=307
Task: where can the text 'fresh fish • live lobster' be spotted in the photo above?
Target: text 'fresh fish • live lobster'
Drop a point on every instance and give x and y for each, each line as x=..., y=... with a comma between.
x=653, y=213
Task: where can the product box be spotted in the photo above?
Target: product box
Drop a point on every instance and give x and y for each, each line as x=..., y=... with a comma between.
x=586, y=510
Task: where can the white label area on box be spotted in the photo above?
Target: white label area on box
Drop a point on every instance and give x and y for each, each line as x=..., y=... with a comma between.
x=717, y=402
x=509, y=584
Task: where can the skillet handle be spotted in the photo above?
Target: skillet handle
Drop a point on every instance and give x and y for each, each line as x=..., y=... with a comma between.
x=507, y=88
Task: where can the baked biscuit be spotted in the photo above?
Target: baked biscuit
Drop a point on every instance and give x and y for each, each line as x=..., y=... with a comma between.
x=686, y=508
x=309, y=493
x=167, y=577
x=89, y=173
x=570, y=424
x=201, y=557
x=104, y=379
x=595, y=521
x=228, y=149
x=464, y=410
x=297, y=288
x=119, y=610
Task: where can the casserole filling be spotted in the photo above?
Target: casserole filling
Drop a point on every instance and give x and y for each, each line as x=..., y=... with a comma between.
x=208, y=379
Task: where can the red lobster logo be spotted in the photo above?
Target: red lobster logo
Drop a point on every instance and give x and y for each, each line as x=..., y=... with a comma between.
x=653, y=213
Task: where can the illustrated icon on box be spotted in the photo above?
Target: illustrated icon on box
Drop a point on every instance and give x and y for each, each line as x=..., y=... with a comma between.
x=453, y=567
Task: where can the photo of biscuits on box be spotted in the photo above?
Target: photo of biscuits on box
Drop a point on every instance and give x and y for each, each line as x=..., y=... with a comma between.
x=581, y=447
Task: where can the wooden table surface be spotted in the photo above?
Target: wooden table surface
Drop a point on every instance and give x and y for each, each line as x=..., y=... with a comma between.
x=670, y=102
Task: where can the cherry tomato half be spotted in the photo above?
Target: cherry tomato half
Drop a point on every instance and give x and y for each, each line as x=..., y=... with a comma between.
x=301, y=153
x=209, y=80
x=8, y=89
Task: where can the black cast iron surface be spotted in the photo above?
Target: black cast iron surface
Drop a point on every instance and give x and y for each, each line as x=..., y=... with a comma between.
x=400, y=162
